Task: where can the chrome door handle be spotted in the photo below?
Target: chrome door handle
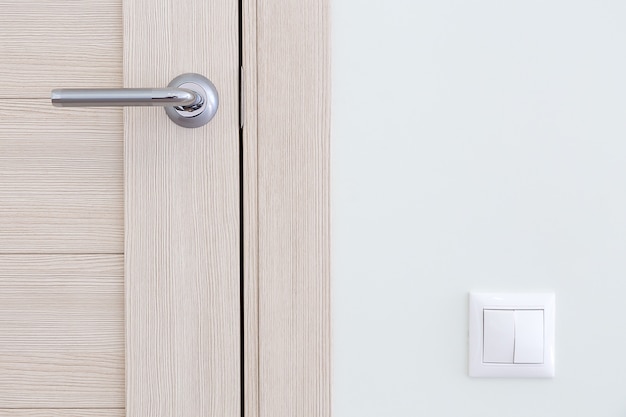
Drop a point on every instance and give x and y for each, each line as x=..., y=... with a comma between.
x=190, y=100
x=101, y=97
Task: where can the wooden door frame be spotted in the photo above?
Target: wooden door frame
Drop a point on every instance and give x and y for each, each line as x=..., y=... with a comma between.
x=286, y=226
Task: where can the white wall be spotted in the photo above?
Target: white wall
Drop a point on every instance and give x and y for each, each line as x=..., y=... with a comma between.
x=477, y=145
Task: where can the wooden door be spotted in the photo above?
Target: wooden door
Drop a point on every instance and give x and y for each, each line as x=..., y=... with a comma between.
x=96, y=203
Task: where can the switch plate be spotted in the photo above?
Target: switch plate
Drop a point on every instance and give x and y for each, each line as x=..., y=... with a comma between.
x=491, y=338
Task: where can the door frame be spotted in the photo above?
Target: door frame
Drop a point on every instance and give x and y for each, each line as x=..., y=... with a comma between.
x=286, y=212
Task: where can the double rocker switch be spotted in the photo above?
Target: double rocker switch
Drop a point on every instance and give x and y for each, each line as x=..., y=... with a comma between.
x=513, y=336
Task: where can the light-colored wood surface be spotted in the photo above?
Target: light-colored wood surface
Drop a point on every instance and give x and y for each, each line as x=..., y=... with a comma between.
x=61, y=179
x=182, y=217
x=292, y=222
x=250, y=212
x=61, y=203
x=80, y=412
x=62, y=331
x=46, y=44
x=293, y=208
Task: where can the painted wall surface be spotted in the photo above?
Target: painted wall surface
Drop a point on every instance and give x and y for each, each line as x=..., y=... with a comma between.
x=477, y=145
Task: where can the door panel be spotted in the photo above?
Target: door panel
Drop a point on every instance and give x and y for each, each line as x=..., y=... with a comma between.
x=61, y=211
x=62, y=337
x=61, y=179
x=62, y=412
x=62, y=340
x=45, y=44
x=182, y=215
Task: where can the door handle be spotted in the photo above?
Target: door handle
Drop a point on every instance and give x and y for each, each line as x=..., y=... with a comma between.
x=190, y=100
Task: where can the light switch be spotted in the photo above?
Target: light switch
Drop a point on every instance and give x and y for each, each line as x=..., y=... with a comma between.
x=529, y=329
x=511, y=335
x=499, y=336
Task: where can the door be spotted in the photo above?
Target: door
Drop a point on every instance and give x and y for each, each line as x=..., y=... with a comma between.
x=119, y=230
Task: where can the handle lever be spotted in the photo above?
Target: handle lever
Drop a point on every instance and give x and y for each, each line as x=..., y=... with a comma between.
x=103, y=97
x=190, y=100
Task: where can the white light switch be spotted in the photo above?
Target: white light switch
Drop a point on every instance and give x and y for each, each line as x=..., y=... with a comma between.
x=511, y=335
x=528, y=336
x=499, y=336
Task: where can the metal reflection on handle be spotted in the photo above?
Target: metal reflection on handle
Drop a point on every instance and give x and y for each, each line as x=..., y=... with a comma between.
x=190, y=100
x=102, y=97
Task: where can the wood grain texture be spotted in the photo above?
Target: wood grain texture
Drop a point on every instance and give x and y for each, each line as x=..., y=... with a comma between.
x=293, y=208
x=250, y=212
x=59, y=412
x=61, y=187
x=62, y=331
x=46, y=44
x=182, y=217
